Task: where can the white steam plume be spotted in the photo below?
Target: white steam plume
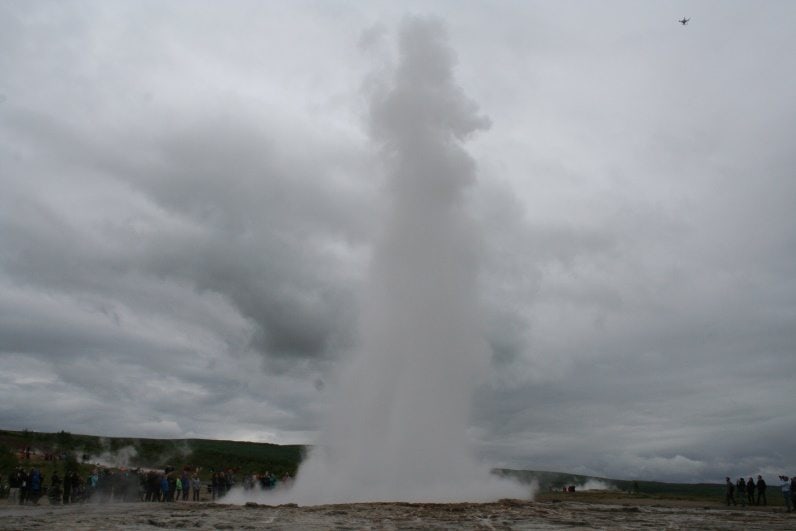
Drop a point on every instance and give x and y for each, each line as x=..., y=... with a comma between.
x=397, y=429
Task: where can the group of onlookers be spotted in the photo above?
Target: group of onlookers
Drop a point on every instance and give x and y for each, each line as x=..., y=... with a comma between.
x=101, y=485
x=28, y=487
x=746, y=490
x=104, y=484
x=171, y=486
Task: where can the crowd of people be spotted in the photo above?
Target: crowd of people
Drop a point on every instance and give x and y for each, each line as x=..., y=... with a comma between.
x=124, y=485
x=746, y=490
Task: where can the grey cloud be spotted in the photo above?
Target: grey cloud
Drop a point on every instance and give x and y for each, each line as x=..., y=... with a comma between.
x=257, y=230
x=188, y=210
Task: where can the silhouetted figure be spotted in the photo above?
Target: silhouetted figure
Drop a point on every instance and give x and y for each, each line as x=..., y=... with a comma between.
x=761, y=490
x=730, y=492
x=152, y=487
x=15, y=485
x=55, y=489
x=741, y=486
x=186, y=485
x=68, y=482
x=34, y=485
x=793, y=491
x=750, y=490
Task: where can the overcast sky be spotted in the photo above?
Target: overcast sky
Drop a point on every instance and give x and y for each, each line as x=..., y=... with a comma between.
x=189, y=198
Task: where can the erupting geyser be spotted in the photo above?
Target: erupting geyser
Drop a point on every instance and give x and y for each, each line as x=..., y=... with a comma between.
x=399, y=414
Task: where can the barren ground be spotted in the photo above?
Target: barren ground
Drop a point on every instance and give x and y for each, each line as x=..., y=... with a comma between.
x=550, y=512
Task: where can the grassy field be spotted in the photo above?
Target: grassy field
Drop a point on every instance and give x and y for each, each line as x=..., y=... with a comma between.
x=245, y=457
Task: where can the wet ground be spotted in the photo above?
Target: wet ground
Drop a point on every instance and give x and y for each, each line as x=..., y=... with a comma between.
x=507, y=514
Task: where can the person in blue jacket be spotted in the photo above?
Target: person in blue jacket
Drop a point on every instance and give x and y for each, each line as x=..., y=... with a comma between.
x=164, y=488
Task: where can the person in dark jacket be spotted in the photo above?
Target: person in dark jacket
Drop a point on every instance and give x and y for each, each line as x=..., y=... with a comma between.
x=740, y=485
x=14, y=485
x=172, y=486
x=68, y=480
x=750, y=490
x=55, y=486
x=34, y=485
x=793, y=491
x=186, y=485
x=730, y=494
x=761, y=490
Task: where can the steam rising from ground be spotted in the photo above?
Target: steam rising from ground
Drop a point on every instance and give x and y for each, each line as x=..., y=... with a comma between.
x=595, y=484
x=397, y=429
x=121, y=458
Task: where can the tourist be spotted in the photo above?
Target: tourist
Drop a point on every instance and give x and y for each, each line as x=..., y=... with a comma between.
x=761, y=490
x=34, y=485
x=186, y=485
x=68, y=480
x=741, y=486
x=172, y=486
x=793, y=491
x=750, y=490
x=14, y=484
x=152, y=486
x=177, y=488
x=730, y=492
x=785, y=487
x=23, y=487
x=91, y=483
x=196, y=487
x=164, y=488
x=55, y=486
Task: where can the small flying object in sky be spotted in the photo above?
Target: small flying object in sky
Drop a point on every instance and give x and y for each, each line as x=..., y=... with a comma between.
x=684, y=21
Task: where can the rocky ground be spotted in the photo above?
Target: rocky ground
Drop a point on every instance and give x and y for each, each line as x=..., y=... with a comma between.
x=507, y=514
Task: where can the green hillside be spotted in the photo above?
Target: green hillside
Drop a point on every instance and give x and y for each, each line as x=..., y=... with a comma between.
x=205, y=454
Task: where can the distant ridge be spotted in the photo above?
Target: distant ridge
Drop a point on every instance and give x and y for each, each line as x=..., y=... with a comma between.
x=556, y=481
x=254, y=457
x=136, y=452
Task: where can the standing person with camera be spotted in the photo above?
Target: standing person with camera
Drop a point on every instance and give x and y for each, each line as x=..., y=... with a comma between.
x=785, y=486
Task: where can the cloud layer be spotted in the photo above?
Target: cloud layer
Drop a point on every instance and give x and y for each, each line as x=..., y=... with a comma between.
x=189, y=202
